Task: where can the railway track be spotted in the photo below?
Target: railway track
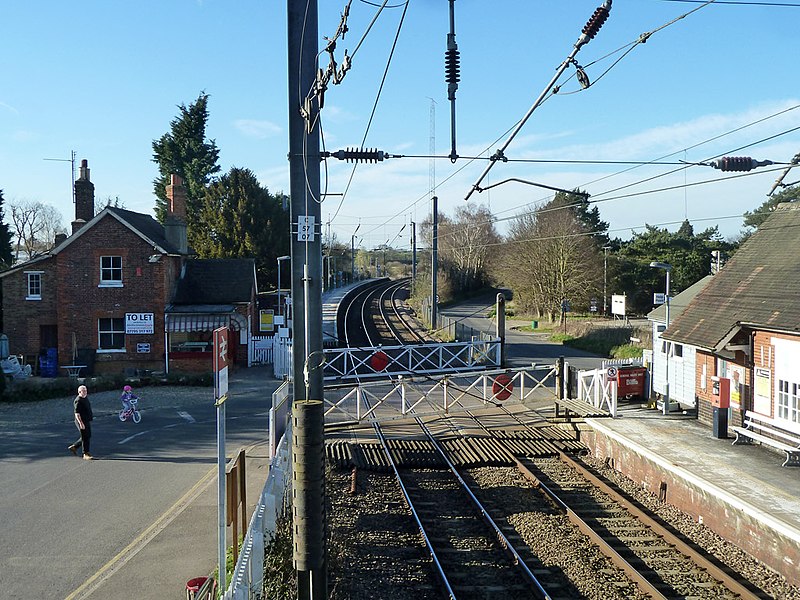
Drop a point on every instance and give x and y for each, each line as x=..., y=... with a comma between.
x=576, y=534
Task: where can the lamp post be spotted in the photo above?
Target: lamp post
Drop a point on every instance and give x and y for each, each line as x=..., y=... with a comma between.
x=605, y=277
x=667, y=267
x=280, y=298
x=353, y=254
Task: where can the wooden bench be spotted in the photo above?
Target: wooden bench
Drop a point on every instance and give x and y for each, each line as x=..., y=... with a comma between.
x=572, y=407
x=757, y=425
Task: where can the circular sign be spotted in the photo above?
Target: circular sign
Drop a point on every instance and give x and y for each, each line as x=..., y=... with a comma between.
x=502, y=386
x=379, y=361
x=612, y=372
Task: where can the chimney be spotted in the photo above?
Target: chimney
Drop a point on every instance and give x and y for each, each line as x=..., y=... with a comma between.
x=175, y=223
x=60, y=237
x=84, y=195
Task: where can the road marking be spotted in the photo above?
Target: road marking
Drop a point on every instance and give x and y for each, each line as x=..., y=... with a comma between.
x=185, y=415
x=135, y=435
x=89, y=586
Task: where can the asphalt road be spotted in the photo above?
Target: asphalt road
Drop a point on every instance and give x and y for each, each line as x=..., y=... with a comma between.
x=64, y=518
x=522, y=347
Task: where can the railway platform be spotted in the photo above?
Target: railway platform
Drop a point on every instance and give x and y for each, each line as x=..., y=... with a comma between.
x=330, y=307
x=740, y=492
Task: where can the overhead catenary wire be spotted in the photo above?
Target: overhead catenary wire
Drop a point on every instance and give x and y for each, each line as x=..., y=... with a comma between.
x=588, y=33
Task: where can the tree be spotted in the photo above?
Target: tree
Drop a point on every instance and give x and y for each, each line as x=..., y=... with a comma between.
x=35, y=225
x=754, y=219
x=238, y=218
x=465, y=243
x=184, y=151
x=551, y=255
x=687, y=253
x=6, y=251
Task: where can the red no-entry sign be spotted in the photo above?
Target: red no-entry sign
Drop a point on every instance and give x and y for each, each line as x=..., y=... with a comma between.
x=379, y=361
x=502, y=387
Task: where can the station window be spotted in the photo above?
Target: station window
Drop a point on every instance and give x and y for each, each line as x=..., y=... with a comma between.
x=111, y=334
x=788, y=401
x=191, y=341
x=111, y=271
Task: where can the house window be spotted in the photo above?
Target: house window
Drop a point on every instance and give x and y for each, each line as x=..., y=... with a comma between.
x=111, y=271
x=788, y=401
x=34, y=285
x=111, y=334
x=677, y=350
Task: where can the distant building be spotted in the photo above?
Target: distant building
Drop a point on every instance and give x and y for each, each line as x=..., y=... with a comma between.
x=124, y=294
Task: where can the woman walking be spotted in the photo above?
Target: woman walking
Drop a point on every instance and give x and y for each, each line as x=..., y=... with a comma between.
x=83, y=421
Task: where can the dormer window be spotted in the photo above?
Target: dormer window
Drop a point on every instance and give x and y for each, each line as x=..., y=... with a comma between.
x=110, y=271
x=34, y=285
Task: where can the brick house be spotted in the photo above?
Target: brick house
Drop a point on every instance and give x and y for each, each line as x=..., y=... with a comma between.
x=121, y=294
x=745, y=326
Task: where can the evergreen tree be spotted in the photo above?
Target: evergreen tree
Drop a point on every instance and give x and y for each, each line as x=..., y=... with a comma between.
x=754, y=219
x=6, y=251
x=238, y=218
x=185, y=151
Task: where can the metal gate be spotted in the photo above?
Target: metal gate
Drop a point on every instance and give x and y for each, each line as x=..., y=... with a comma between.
x=451, y=357
x=387, y=400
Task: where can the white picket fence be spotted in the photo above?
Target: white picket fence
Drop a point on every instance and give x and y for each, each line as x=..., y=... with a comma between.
x=247, y=582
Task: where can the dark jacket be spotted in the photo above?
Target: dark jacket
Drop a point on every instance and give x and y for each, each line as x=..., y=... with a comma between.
x=83, y=408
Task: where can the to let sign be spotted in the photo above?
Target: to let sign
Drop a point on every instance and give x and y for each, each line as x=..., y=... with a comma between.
x=138, y=323
x=220, y=337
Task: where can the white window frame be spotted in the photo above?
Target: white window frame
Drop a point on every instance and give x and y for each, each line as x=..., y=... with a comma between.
x=30, y=277
x=113, y=332
x=108, y=271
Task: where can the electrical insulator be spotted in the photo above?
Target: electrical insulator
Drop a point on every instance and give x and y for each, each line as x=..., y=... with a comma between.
x=358, y=155
x=452, y=67
x=597, y=20
x=738, y=163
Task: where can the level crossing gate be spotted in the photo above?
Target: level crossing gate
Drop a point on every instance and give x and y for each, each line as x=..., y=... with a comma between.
x=401, y=397
x=412, y=359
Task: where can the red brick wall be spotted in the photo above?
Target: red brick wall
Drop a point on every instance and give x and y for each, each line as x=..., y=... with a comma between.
x=22, y=318
x=82, y=303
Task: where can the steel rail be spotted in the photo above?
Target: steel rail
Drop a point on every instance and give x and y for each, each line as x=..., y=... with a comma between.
x=630, y=571
x=699, y=559
x=648, y=521
x=504, y=541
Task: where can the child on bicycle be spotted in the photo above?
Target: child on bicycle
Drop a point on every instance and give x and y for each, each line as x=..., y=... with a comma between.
x=128, y=398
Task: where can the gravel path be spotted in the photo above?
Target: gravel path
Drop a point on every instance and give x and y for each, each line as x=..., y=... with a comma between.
x=59, y=410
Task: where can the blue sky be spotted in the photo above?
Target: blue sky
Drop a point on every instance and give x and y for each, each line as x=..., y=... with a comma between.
x=104, y=79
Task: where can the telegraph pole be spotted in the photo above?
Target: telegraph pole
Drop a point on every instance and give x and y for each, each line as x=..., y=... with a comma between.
x=435, y=264
x=307, y=411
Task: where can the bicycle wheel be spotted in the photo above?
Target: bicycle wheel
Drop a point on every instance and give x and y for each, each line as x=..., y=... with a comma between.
x=123, y=415
x=137, y=416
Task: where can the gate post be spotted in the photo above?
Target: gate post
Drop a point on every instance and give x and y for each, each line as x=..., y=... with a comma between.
x=560, y=378
x=501, y=327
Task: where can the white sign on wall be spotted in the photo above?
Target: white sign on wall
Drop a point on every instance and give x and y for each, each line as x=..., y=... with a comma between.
x=138, y=323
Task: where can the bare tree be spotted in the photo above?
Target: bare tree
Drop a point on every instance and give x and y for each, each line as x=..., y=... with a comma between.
x=551, y=257
x=35, y=226
x=465, y=242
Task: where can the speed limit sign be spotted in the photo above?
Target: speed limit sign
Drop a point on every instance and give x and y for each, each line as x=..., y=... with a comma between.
x=612, y=372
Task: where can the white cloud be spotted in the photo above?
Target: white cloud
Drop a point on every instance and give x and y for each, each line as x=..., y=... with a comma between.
x=257, y=129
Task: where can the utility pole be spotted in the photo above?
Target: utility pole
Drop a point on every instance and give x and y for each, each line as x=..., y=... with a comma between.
x=605, y=277
x=413, y=257
x=435, y=264
x=309, y=552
